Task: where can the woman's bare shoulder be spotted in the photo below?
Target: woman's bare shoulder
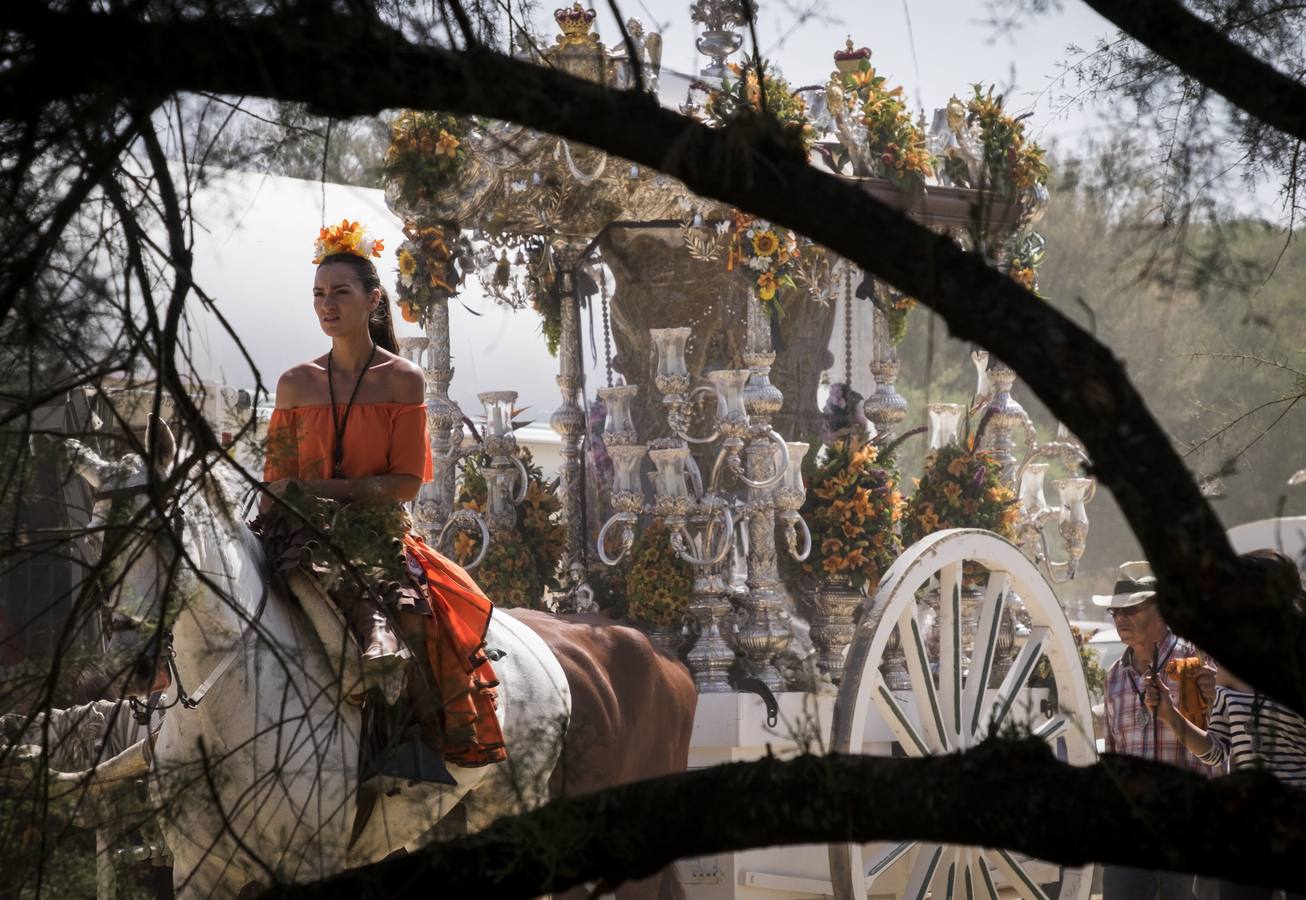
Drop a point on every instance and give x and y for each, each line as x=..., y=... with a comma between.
x=300, y=384
x=404, y=379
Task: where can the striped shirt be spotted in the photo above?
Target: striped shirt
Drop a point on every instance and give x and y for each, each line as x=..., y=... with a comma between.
x=1249, y=730
x=1130, y=728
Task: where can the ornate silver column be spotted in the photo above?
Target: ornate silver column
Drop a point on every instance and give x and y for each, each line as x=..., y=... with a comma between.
x=569, y=422
x=763, y=631
x=444, y=425
x=886, y=407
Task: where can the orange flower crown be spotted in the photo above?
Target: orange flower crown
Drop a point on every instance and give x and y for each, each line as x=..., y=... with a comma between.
x=347, y=237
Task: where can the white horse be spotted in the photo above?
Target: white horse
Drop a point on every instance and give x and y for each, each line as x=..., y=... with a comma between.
x=257, y=783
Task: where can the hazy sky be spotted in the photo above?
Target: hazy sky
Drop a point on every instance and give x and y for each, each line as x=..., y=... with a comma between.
x=948, y=45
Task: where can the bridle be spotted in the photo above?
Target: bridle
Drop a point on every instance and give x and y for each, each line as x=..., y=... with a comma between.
x=143, y=711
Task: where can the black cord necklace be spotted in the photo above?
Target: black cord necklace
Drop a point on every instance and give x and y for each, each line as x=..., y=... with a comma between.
x=339, y=423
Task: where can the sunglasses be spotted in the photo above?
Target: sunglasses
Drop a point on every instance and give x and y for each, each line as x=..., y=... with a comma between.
x=1126, y=612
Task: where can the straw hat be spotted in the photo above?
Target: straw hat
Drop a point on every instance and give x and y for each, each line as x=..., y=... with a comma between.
x=1136, y=584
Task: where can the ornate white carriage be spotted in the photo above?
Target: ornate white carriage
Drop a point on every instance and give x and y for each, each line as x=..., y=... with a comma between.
x=945, y=649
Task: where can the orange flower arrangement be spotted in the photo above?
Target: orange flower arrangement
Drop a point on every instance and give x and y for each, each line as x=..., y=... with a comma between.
x=852, y=505
x=522, y=562
x=960, y=488
x=1014, y=164
x=892, y=137
x=743, y=98
x=347, y=237
x=426, y=154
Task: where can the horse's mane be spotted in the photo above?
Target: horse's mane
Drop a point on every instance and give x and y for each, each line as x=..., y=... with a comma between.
x=227, y=491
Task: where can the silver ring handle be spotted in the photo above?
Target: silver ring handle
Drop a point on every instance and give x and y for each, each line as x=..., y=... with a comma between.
x=775, y=478
x=466, y=514
x=525, y=481
x=602, y=540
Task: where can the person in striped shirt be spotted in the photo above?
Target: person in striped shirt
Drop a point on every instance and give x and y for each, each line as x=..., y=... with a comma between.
x=1245, y=729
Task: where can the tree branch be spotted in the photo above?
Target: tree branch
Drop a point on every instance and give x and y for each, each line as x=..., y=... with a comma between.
x=1143, y=813
x=1202, y=51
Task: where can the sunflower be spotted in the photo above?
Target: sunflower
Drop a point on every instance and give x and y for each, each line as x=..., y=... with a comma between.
x=766, y=243
x=407, y=264
x=766, y=286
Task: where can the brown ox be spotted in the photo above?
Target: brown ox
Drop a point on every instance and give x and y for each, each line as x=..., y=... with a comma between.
x=632, y=714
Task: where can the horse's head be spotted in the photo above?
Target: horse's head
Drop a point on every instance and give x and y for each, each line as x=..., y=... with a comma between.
x=139, y=528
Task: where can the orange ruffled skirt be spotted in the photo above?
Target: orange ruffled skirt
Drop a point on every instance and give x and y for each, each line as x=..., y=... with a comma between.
x=455, y=650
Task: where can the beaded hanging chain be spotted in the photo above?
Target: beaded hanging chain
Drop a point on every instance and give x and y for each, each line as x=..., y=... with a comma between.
x=607, y=326
x=848, y=324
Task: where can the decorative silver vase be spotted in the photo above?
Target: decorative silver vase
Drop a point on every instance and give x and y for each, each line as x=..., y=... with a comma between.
x=667, y=638
x=833, y=604
x=893, y=664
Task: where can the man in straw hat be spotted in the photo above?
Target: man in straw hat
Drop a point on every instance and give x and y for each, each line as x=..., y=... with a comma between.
x=1130, y=728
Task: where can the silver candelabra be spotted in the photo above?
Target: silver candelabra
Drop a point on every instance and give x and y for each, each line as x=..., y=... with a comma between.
x=703, y=518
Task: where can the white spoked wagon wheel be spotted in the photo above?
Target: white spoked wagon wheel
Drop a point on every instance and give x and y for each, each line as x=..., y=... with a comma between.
x=946, y=699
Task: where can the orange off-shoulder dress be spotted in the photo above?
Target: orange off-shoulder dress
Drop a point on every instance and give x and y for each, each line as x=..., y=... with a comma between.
x=391, y=439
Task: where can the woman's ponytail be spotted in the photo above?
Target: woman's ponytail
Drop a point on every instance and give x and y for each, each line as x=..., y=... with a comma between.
x=381, y=325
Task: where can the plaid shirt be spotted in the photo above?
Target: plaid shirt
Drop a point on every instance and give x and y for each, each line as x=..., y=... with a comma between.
x=1129, y=727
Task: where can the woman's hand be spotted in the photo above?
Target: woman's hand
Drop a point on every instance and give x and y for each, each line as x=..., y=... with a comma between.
x=1206, y=682
x=276, y=489
x=279, y=487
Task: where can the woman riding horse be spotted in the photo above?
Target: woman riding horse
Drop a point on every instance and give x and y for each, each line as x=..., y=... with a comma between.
x=350, y=428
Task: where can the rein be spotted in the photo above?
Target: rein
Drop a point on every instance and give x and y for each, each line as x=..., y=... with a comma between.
x=143, y=711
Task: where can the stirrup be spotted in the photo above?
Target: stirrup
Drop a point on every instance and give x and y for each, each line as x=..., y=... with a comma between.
x=409, y=762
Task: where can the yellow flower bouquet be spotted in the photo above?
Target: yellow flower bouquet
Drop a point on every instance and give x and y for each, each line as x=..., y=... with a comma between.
x=852, y=506
x=427, y=270
x=767, y=254
x=659, y=582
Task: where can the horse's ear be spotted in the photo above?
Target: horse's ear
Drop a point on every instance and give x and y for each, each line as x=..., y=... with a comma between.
x=85, y=462
x=160, y=445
